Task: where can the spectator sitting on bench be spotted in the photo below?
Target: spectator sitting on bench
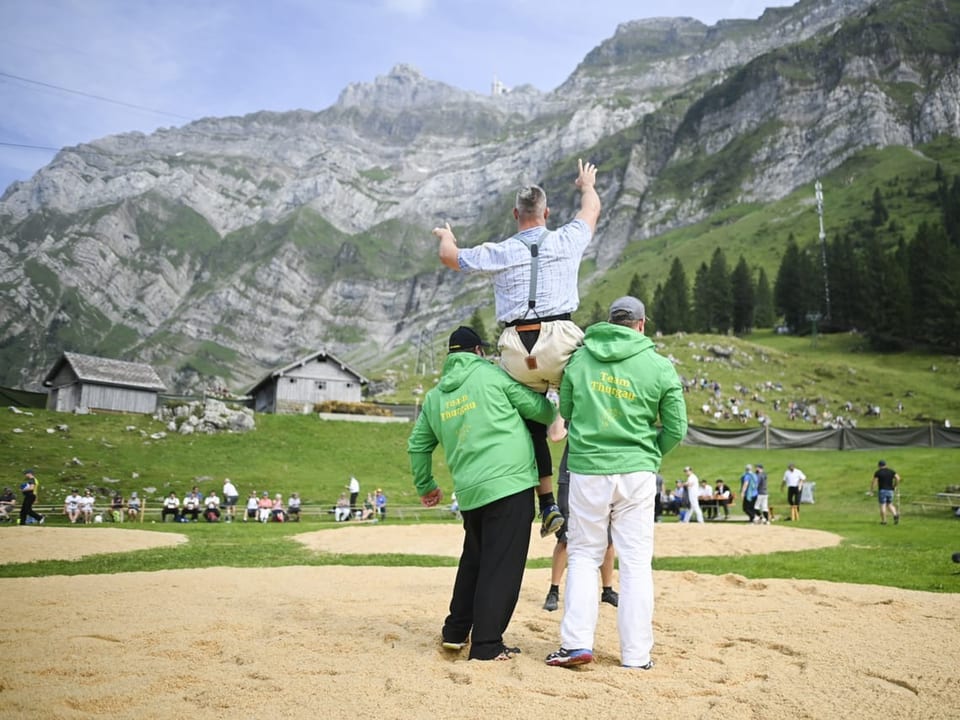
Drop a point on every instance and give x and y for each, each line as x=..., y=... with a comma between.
x=369, y=509
x=116, y=507
x=381, y=503
x=723, y=496
x=191, y=507
x=293, y=507
x=264, y=507
x=171, y=506
x=71, y=506
x=705, y=496
x=252, y=505
x=86, y=506
x=341, y=510
x=133, y=506
x=277, y=513
x=7, y=502
x=211, y=507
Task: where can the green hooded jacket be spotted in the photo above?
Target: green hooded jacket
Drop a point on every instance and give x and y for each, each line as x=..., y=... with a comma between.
x=476, y=412
x=613, y=391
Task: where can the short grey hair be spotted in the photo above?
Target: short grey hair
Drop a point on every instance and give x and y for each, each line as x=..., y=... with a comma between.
x=531, y=200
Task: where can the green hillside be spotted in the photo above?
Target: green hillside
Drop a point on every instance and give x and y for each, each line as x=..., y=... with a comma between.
x=904, y=176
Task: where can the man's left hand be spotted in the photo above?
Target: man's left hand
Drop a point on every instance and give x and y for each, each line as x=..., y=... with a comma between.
x=432, y=498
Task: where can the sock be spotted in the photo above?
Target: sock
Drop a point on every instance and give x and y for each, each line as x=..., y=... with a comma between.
x=546, y=500
x=555, y=589
x=607, y=588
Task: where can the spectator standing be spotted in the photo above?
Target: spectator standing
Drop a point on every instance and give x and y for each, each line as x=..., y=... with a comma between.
x=230, y=498
x=535, y=276
x=29, y=489
x=885, y=482
x=353, y=487
x=692, y=492
x=793, y=479
x=494, y=472
x=615, y=390
x=762, y=505
x=748, y=492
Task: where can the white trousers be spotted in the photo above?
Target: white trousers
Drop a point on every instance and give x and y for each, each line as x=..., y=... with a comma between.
x=625, y=503
x=694, y=509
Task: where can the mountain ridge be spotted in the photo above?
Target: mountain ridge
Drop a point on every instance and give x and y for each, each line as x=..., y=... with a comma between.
x=226, y=247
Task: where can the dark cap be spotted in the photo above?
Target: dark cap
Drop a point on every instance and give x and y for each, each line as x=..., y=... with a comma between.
x=465, y=339
x=882, y=463
x=627, y=309
x=28, y=471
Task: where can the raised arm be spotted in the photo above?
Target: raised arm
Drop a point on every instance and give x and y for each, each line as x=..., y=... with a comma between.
x=448, y=246
x=589, y=200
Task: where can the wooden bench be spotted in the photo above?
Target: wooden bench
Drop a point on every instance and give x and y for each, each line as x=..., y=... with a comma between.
x=934, y=502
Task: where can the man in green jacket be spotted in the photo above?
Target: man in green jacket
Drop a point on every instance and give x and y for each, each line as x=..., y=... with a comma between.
x=477, y=413
x=614, y=390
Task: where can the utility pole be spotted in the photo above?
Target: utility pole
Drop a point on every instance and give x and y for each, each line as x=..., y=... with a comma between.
x=818, y=193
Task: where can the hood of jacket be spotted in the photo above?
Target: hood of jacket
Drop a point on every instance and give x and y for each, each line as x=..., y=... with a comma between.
x=608, y=342
x=457, y=368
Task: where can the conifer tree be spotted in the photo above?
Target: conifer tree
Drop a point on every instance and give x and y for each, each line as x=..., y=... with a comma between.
x=721, y=297
x=476, y=322
x=742, y=307
x=764, y=315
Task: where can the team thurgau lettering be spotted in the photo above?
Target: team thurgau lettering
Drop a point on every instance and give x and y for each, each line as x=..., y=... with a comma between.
x=612, y=385
x=457, y=406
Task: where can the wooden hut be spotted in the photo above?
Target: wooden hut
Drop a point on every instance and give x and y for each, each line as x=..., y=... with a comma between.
x=79, y=383
x=297, y=387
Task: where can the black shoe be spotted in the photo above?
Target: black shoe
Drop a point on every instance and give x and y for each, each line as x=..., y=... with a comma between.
x=896, y=519
x=611, y=597
x=552, y=602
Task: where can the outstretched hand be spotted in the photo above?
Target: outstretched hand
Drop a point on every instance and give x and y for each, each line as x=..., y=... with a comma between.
x=444, y=232
x=587, y=176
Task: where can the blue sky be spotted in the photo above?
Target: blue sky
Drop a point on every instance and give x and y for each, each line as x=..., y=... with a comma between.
x=163, y=63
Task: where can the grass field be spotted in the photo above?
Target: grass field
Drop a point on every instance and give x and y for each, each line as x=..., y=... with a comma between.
x=315, y=458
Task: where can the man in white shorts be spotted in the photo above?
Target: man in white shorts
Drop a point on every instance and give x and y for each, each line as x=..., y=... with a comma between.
x=535, y=275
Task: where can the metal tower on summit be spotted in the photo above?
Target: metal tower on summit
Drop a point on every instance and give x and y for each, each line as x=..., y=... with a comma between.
x=818, y=193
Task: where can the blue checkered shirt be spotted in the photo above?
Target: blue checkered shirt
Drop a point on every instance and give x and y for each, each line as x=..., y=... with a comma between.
x=508, y=261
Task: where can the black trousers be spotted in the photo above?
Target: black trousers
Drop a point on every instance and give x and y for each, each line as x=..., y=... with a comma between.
x=485, y=593
x=26, y=510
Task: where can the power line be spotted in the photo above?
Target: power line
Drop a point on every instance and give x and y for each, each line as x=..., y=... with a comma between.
x=29, y=147
x=92, y=96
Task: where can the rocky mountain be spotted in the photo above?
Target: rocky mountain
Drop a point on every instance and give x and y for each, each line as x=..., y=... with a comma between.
x=221, y=249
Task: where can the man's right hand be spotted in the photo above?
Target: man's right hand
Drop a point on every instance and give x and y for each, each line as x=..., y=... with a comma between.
x=587, y=176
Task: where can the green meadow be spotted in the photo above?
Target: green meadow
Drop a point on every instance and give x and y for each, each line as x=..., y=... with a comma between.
x=315, y=458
